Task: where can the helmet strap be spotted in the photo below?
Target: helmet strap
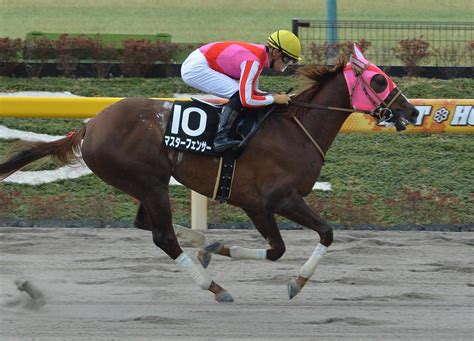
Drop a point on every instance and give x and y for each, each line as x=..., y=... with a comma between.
x=270, y=53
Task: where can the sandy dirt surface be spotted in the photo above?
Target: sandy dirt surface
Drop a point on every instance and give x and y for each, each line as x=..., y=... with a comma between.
x=114, y=283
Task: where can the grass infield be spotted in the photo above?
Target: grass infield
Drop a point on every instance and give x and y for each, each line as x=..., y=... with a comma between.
x=191, y=21
x=383, y=179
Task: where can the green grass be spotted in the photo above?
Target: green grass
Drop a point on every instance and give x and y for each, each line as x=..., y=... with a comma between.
x=165, y=87
x=377, y=178
x=380, y=169
x=207, y=20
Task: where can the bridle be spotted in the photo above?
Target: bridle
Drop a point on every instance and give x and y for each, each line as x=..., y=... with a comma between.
x=380, y=109
x=383, y=112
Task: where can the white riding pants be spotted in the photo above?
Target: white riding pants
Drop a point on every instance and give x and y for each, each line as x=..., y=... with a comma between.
x=197, y=73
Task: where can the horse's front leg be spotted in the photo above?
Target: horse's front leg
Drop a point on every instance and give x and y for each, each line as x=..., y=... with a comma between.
x=265, y=223
x=297, y=211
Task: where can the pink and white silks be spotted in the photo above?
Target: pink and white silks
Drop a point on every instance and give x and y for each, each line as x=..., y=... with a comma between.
x=223, y=68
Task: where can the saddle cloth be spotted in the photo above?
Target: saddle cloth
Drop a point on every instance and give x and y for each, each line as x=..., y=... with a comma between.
x=193, y=126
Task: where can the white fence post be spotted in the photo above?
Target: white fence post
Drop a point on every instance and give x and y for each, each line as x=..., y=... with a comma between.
x=198, y=211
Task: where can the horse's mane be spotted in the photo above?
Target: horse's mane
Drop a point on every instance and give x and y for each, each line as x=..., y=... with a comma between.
x=312, y=77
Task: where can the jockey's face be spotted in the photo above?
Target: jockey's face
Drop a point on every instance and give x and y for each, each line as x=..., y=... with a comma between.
x=278, y=61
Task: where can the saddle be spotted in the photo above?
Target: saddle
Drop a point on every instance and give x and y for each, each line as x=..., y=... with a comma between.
x=193, y=126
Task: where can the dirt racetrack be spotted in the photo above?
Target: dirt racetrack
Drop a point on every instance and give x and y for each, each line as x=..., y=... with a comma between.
x=114, y=283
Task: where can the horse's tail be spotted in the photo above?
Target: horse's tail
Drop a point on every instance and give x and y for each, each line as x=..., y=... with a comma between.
x=64, y=151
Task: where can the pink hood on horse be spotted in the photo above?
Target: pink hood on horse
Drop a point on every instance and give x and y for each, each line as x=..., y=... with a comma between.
x=359, y=67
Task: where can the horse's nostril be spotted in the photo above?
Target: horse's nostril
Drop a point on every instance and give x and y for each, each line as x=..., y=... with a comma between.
x=414, y=113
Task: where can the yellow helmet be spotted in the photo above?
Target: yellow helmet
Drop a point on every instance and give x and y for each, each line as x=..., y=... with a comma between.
x=286, y=42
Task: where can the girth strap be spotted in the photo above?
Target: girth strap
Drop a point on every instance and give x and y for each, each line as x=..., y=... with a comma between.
x=225, y=175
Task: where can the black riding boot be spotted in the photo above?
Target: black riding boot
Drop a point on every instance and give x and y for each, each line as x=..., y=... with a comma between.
x=223, y=141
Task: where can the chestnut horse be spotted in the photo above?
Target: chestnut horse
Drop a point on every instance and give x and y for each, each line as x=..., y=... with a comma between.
x=123, y=146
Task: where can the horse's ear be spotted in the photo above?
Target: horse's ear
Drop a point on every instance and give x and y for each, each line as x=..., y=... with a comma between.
x=358, y=54
x=358, y=61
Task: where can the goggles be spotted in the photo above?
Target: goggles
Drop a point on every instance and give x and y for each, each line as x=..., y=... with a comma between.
x=287, y=61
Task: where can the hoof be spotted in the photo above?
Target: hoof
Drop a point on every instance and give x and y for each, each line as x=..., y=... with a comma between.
x=293, y=288
x=224, y=297
x=214, y=247
x=205, y=258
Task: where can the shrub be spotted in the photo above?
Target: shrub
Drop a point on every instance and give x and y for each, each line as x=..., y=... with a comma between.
x=36, y=53
x=412, y=52
x=383, y=56
x=347, y=47
x=319, y=53
x=448, y=55
x=66, y=60
x=68, y=51
x=102, y=54
x=9, y=55
x=470, y=51
x=165, y=51
x=82, y=47
x=138, y=57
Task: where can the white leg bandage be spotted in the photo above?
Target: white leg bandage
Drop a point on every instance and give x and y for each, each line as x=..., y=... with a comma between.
x=197, y=273
x=237, y=252
x=307, y=270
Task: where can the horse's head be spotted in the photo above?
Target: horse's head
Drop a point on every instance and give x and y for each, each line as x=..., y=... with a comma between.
x=373, y=92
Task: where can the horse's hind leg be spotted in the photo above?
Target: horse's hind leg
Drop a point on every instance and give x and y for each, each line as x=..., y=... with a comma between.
x=297, y=211
x=142, y=221
x=157, y=207
x=192, y=237
x=265, y=223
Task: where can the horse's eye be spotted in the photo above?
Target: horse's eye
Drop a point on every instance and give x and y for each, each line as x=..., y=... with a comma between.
x=378, y=83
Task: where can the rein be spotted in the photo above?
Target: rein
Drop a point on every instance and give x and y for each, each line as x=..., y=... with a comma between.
x=324, y=107
x=380, y=112
x=317, y=106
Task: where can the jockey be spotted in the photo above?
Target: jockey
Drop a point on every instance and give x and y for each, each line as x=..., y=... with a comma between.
x=230, y=69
